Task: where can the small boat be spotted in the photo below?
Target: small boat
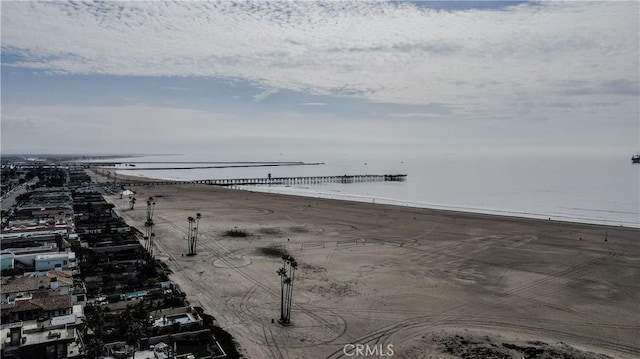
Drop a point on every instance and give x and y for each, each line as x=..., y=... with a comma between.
x=635, y=158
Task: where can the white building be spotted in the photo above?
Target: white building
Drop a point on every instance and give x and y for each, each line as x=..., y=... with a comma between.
x=59, y=261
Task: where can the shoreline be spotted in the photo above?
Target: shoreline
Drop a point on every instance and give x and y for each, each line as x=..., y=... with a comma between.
x=451, y=208
x=368, y=267
x=399, y=203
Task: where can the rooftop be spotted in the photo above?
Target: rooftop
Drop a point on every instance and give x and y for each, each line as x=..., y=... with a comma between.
x=33, y=335
x=54, y=302
x=182, y=319
x=29, y=283
x=56, y=256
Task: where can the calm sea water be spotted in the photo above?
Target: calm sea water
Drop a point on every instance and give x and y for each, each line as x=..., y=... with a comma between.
x=600, y=189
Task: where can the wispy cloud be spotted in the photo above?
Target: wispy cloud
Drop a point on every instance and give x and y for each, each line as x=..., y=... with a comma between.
x=382, y=51
x=386, y=71
x=264, y=94
x=416, y=115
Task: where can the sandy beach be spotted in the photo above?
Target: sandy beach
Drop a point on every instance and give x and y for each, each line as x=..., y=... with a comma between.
x=420, y=280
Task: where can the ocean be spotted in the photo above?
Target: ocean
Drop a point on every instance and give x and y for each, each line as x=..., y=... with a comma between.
x=590, y=189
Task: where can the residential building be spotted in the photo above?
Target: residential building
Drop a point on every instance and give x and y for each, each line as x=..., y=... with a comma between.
x=44, y=307
x=31, y=339
x=45, y=262
x=7, y=261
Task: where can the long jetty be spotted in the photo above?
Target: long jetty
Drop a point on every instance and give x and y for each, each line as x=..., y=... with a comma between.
x=274, y=180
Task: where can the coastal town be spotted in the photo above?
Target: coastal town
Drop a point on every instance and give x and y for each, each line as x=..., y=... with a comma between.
x=78, y=282
x=320, y=179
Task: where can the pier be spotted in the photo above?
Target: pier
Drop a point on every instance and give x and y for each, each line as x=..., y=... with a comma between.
x=275, y=180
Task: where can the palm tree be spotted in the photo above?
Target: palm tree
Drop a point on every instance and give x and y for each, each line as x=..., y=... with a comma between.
x=94, y=348
x=148, y=228
x=195, y=236
x=135, y=324
x=293, y=266
x=285, y=259
x=134, y=333
x=150, y=243
x=286, y=282
x=282, y=272
x=285, y=288
x=150, y=206
x=190, y=234
x=94, y=316
x=149, y=223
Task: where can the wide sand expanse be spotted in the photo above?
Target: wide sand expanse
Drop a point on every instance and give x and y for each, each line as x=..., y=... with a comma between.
x=379, y=275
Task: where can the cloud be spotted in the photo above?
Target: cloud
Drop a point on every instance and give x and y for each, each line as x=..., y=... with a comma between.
x=415, y=115
x=404, y=74
x=614, y=87
x=264, y=94
x=378, y=51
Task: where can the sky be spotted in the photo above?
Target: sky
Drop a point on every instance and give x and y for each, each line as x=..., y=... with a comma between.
x=310, y=79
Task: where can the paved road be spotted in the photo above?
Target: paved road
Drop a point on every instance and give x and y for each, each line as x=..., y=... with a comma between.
x=10, y=199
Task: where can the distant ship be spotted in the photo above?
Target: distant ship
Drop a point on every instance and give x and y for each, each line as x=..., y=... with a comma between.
x=635, y=158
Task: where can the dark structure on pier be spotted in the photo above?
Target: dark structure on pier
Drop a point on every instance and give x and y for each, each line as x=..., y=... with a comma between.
x=278, y=180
